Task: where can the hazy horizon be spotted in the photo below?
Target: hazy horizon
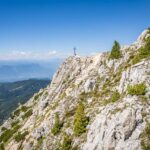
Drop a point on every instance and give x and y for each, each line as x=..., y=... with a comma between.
x=18, y=70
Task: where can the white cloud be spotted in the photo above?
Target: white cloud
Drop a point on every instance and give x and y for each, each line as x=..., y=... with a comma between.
x=93, y=53
x=29, y=55
x=52, y=53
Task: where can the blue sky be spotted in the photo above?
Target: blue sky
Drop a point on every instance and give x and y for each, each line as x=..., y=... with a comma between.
x=41, y=29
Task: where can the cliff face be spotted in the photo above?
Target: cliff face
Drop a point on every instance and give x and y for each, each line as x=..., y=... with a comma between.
x=115, y=97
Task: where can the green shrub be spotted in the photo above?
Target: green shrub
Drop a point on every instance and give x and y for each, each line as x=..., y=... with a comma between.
x=115, y=52
x=62, y=96
x=54, y=105
x=80, y=121
x=24, y=108
x=115, y=97
x=21, y=136
x=9, y=133
x=40, y=141
x=12, y=116
x=17, y=112
x=67, y=143
x=83, y=96
x=136, y=59
x=138, y=89
x=37, y=96
x=145, y=138
x=64, y=82
x=27, y=114
x=57, y=125
x=3, y=129
x=143, y=52
x=2, y=146
x=14, y=123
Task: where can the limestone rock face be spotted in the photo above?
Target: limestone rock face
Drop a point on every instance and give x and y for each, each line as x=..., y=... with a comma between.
x=116, y=119
x=135, y=75
x=117, y=130
x=89, y=85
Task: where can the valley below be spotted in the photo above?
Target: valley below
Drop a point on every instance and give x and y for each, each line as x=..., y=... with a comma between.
x=15, y=93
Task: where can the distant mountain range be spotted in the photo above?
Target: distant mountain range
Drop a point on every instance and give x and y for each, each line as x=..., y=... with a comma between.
x=17, y=92
x=19, y=80
x=11, y=71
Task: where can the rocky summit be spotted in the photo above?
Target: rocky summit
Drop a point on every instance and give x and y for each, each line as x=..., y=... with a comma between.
x=99, y=102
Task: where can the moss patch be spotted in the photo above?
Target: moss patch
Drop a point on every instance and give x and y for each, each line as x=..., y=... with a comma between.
x=138, y=89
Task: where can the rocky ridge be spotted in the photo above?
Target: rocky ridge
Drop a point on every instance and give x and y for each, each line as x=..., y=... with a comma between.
x=117, y=118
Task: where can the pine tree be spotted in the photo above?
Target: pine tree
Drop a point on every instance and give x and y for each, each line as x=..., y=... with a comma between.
x=115, y=52
x=80, y=121
x=57, y=125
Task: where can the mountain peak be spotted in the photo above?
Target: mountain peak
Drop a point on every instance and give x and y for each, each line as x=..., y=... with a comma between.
x=141, y=39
